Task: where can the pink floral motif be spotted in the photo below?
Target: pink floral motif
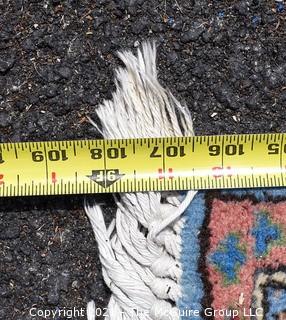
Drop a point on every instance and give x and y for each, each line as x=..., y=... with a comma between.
x=239, y=218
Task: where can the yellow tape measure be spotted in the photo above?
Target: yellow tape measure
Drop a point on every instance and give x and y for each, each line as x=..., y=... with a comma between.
x=151, y=164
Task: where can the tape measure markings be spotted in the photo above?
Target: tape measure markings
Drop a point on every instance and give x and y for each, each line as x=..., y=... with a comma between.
x=155, y=164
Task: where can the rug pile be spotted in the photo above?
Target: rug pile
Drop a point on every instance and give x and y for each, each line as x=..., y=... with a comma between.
x=234, y=255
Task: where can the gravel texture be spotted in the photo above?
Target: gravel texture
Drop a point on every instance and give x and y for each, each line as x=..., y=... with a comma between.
x=226, y=60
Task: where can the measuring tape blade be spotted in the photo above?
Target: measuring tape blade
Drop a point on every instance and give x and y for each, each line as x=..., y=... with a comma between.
x=147, y=164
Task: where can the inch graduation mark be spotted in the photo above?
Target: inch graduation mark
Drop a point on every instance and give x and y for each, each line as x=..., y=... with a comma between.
x=1, y=157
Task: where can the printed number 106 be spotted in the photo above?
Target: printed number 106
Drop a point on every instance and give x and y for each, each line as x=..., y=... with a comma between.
x=229, y=150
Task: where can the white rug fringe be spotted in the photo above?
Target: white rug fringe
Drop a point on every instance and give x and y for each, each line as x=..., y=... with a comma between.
x=141, y=249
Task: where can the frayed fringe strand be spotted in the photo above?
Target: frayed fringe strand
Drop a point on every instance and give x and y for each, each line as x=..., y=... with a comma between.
x=140, y=106
x=140, y=250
